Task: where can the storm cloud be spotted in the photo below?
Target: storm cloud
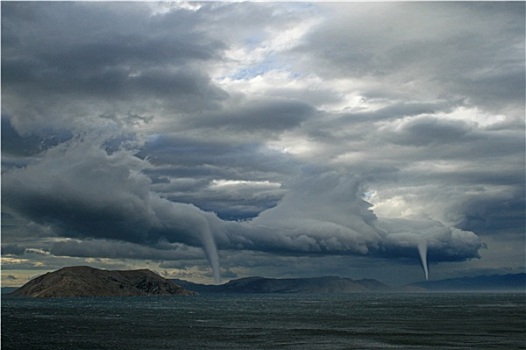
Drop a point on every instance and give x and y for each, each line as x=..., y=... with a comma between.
x=388, y=132
x=322, y=213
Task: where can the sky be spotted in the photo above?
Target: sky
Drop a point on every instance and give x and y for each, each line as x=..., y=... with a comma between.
x=209, y=141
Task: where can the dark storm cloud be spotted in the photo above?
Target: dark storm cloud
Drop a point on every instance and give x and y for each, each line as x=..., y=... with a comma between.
x=324, y=213
x=13, y=249
x=99, y=61
x=386, y=131
x=123, y=250
x=428, y=130
x=118, y=207
x=13, y=144
x=442, y=243
x=241, y=158
x=188, y=170
x=58, y=191
x=493, y=215
x=60, y=194
x=309, y=219
x=103, y=35
x=272, y=114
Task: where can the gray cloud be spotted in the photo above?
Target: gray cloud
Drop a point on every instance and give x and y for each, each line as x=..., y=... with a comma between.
x=425, y=131
x=101, y=65
x=323, y=213
x=271, y=114
x=123, y=250
x=449, y=48
x=330, y=131
x=13, y=249
x=186, y=169
x=120, y=207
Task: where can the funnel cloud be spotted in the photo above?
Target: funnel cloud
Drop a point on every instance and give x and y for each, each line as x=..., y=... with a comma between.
x=422, y=250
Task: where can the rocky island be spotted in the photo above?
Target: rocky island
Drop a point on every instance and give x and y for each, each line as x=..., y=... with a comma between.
x=84, y=281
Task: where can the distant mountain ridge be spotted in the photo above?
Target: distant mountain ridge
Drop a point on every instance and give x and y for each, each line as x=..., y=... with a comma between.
x=479, y=283
x=326, y=284
x=510, y=282
x=84, y=281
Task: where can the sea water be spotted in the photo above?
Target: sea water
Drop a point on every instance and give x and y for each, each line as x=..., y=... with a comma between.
x=268, y=321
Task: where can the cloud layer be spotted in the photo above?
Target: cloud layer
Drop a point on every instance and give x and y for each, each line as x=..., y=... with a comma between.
x=81, y=191
x=264, y=131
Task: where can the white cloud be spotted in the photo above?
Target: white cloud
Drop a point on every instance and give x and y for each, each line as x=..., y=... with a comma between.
x=242, y=183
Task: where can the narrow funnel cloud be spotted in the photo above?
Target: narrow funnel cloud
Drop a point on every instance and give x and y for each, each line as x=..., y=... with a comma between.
x=422, y=250
x=210, y=249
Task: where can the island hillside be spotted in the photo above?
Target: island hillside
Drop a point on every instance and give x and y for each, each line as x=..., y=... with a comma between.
x=84, y=281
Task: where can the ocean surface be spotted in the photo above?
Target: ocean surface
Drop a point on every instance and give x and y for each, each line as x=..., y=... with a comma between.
x=350, y=321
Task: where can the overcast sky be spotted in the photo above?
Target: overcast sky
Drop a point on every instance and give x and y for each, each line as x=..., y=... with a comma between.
x=224, y=140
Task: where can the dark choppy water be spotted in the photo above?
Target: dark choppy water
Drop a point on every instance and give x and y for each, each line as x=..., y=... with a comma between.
x=377, y=321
